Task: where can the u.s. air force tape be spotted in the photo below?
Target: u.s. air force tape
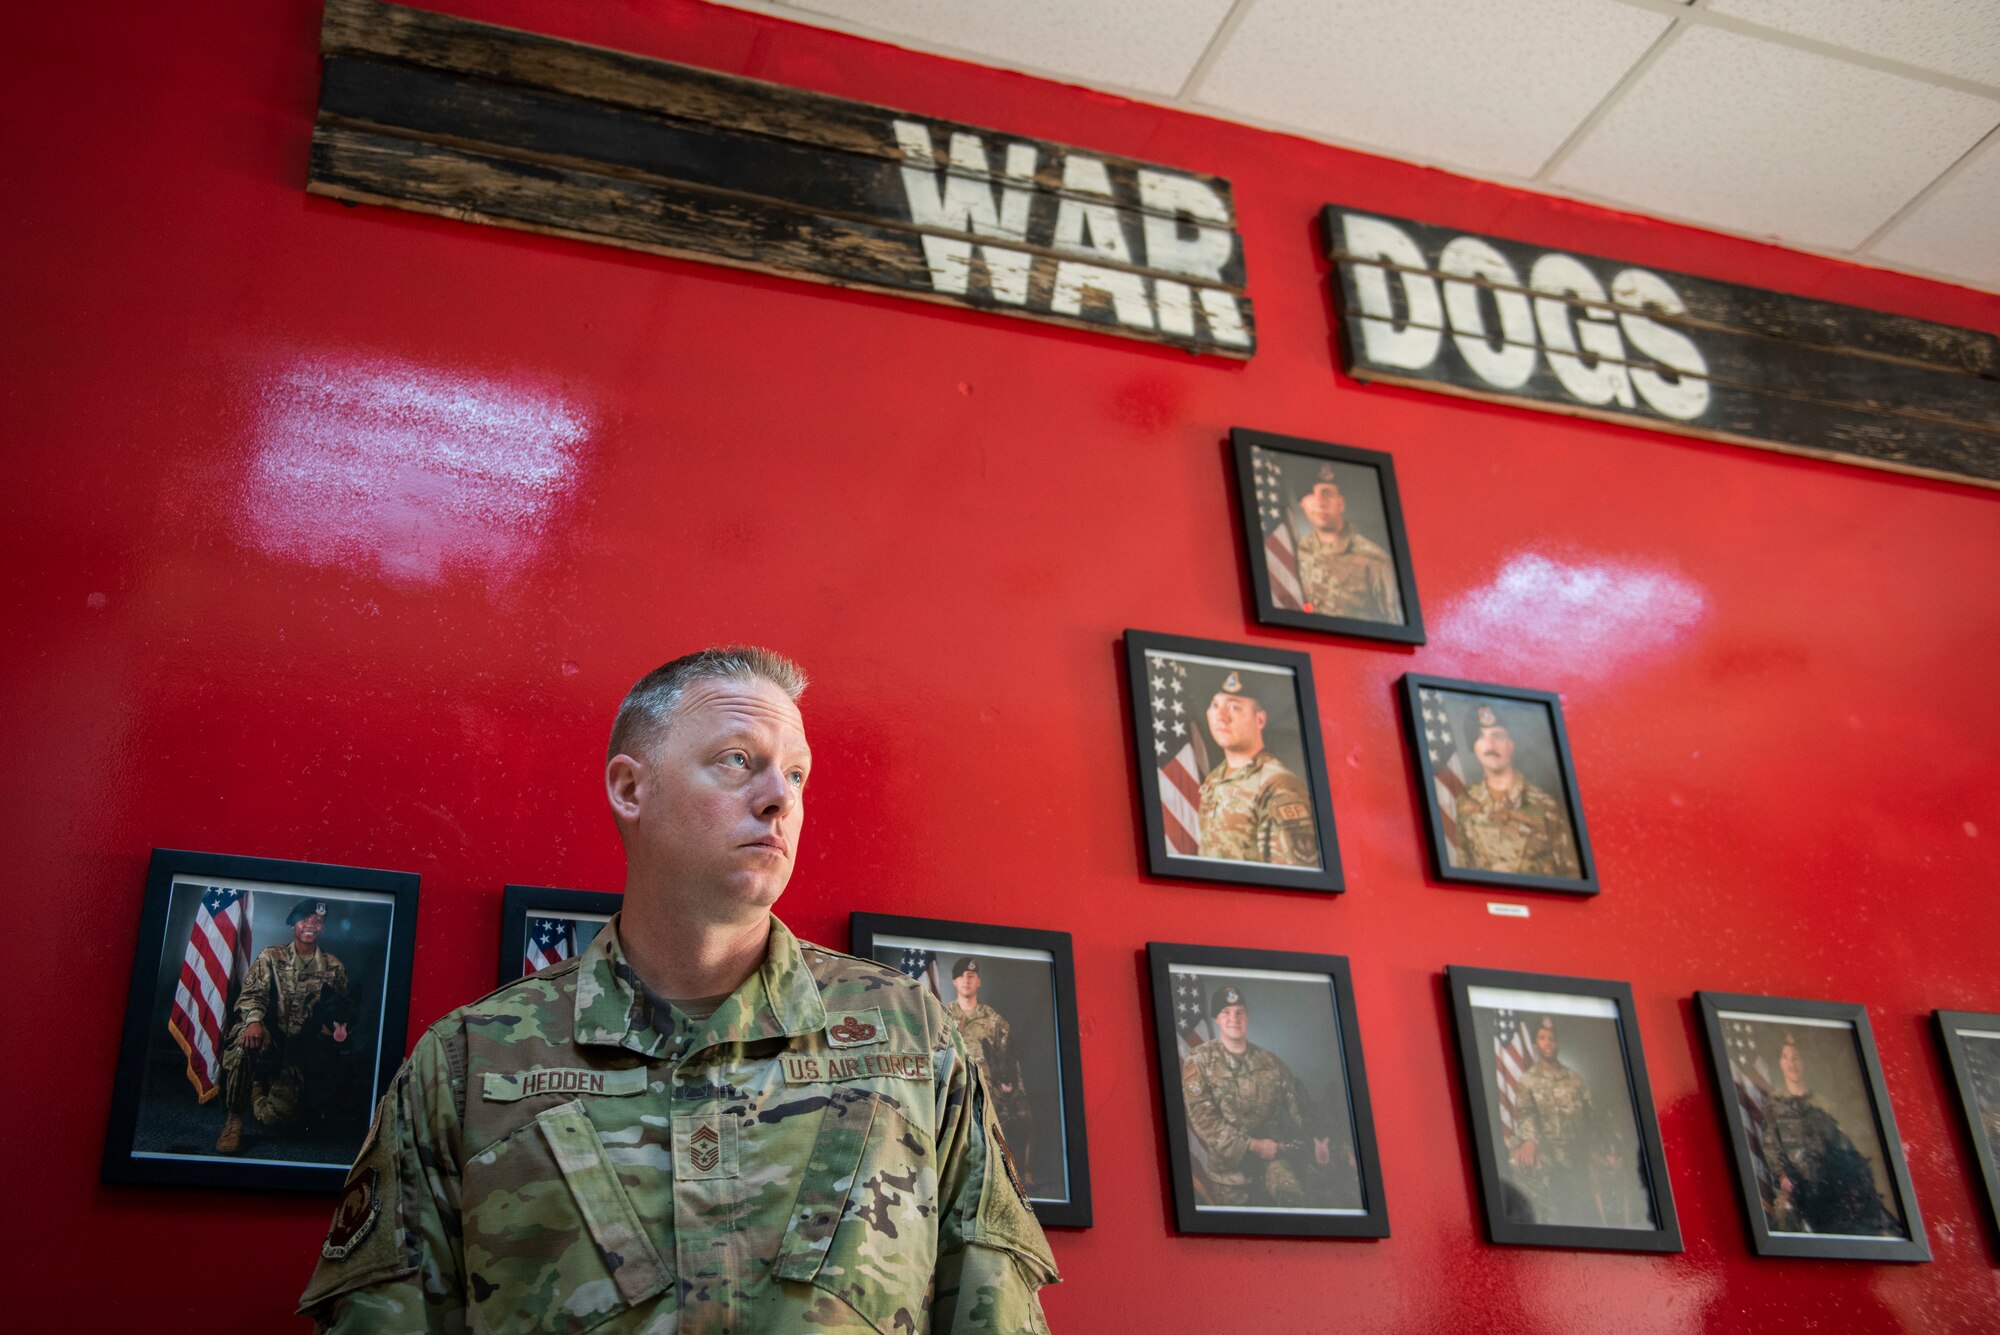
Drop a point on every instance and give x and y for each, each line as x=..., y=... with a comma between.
x=813, y=1068
x=505, y=1088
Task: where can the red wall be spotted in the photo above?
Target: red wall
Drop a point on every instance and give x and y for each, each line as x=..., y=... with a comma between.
x=336, y=534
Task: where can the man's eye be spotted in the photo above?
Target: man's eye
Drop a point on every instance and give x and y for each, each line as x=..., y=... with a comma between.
x=798, y=778
x=738, y=759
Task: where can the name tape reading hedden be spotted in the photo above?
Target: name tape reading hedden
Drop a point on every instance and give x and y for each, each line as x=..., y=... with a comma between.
x=501, y=1088
x=811, y=1069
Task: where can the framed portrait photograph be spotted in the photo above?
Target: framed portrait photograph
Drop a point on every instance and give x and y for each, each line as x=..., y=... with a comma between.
x=1563, y=1128
x=266, y=1015
x=1972, y=1050
x=1498, y=785
x=1013, y=992
x=540, y=926
x=1269, y=1127
x=1324, y=530
x=1232, y=772
x=1819, y=1166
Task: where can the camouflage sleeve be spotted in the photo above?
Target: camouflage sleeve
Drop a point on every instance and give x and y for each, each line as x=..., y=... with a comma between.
x=992, y=1256
x=392, y=1263
x=1563, y=854
x=250, y=1006
x=1524, y=1116
x=1223, y=1139
x=1285, y=814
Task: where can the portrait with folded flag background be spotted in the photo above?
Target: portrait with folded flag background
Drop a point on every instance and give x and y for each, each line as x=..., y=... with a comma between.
x=541, y=926
x=1250, y=806
x=1325, y=544
x=220, y=933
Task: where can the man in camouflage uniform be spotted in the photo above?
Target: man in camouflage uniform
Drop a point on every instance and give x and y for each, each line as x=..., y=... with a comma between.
x=1560, y=1138
x=1342, y=573
x=700, y=1124
x=1822, y=1184
x=1506, y=823
x=263, y=1052
x=1253, y=809
x=991, y=1039
x=1243, y=1104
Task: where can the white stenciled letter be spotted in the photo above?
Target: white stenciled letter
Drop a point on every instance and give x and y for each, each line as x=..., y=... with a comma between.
x=1413, y=341
x=1509, y=365
x=1200, y=255
x=967, y=205
x=1683, y=394
x=1087, y=227
x=1569, y=329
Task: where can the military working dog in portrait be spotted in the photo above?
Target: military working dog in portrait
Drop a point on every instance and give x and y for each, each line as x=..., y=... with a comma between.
x=1825, y=1169
x=1265, y=1092
x=1499, y=787
x=1230, y=751
x=1324, y=527
x=265, y=1026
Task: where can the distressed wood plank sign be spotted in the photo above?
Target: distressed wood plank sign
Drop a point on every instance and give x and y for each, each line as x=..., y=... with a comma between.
x=1460, y=313
x=441, y=115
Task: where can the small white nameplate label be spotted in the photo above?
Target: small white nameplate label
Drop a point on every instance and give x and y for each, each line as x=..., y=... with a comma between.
x=1507, y=910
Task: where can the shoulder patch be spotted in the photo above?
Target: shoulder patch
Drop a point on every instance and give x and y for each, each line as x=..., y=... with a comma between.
x=360, y=1206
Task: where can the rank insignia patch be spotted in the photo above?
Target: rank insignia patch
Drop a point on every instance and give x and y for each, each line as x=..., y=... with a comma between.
x=359, y=1207
x=704, y=1146
x=852, y=1029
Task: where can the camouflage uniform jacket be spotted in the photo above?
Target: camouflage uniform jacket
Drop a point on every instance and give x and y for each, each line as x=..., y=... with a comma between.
x=1233, y=1099
x=1522, y=831
x=991, y=1039
x=1348, y=577
x=1260, y=813
x=1552, y=1108
x=283, y=980
x=818, y=1154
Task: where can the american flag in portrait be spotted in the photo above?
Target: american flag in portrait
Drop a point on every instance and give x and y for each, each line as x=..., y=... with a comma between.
x=1447, y=767
x=1281, y=550
x=218, y=951
x=550, y=941
x=1191, y=1030
x=921, y=965
x=1752, y=1079
x=1178, y=751
x=1511, y=1059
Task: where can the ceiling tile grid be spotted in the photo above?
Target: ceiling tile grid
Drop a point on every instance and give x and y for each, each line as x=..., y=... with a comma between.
x=1773, y=141
x=1494, y=89
x=1840, y=126
x=1952, y=231
x=1147, y=47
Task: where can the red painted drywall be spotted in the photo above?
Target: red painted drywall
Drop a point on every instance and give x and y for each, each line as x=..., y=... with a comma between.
x=336, y=534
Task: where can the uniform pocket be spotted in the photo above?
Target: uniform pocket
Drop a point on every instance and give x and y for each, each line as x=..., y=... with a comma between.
x=552, y=1243
x=865, y=1224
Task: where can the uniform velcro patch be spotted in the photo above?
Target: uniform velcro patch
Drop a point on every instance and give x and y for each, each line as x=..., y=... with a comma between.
x=853, y=1029
x=506, y=1087
x=809, y=1068
x=1294, y=811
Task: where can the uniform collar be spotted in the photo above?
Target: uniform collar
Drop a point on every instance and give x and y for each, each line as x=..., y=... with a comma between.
x=314, y=961
x=1333, y=546
x=780, y=1000
x=1256, y=763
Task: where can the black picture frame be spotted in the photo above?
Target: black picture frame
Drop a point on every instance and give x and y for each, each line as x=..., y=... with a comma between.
x=1726, y=1019
x=518, y=903
x=150, y=1136
x=1185, y=976
x=1267, y=523
x=1480, y=1060
x=1152, y=722
x=1971, y=1068
x=1017, y=949
x=1424, y=710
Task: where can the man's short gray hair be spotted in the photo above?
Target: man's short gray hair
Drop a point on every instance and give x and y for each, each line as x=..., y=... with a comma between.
x=656, y=697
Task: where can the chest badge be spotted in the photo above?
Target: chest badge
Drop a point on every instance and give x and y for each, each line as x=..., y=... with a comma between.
x=704, y=1146
x=854, y=1029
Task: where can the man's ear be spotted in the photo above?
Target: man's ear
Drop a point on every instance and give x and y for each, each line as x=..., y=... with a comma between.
x=622, y=777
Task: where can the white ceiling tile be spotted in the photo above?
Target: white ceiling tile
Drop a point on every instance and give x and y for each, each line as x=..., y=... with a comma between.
x=1773, y=141
x=1150, y=47
x=1491, y=86
x=1959, y=37
x=1954, y=231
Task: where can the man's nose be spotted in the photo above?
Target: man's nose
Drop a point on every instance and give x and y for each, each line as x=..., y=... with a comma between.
x=776, y=796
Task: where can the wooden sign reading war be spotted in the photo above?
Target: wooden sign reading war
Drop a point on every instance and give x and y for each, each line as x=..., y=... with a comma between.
x=1475, y=315
x=442, y=115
